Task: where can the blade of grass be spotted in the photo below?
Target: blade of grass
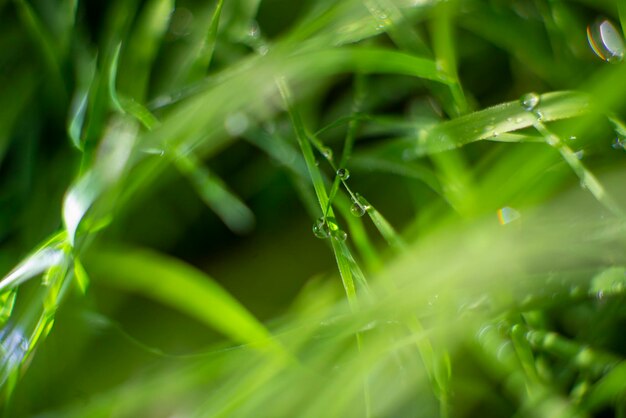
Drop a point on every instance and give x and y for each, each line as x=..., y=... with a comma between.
x=181, y=287
x=142, y=47
x=500, y=119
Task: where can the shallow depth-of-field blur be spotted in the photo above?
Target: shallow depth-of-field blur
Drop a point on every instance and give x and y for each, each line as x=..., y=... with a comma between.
x=315, y=208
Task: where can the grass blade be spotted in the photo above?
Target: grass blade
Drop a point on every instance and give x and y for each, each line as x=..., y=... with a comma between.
x=506, y=117
x=179, y=286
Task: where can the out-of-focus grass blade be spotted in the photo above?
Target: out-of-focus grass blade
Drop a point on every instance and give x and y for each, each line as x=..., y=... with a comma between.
x=43, y=41
x=78, y=200
x=522, y=38
x=392, y=19
x=112, y=80
x=369, y=60
x=142, y=47
x=445, y=52
x=179, y=286
x=7, y=301
x=206, y=53
x=608, y=390
x=81, y=276
x=13, y=99
x=213, y=190
x=215, y=193
x=77, y=116
x=621, y=7
x=139, y=112
x=587, y=178
x=502, y=118
x=47, y=256
x=382, y=163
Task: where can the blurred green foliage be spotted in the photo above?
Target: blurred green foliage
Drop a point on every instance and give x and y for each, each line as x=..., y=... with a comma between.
x=163, y=164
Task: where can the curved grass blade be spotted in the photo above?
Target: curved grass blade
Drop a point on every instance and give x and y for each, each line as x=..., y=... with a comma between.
x=206, y=53
x=506, y=117
x=181, y=287
x=213, y=190
x=142, y=47
x=368, y=60
x=47, y=256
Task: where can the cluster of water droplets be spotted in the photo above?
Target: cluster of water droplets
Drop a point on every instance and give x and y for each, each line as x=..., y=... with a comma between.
x=326, y=227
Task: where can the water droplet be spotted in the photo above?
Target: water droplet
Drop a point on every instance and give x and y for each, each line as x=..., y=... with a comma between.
x=580, y=154
x=236, y=124
x=552, y=140
x=606, y=40
x=530, y=101
x=619, y=143
x=181, y=22
x=433, y=299
x=484, y=332
x=572, y=138
x=339, y=234
x=357, y=210
x=154, y=151
x=263, y=49
x=507, y=215
x=361, y=201
x=539, y=115
x=254, y=31
x=505, y=351
x=321, y=229
x=343, y=173
x=327, y=153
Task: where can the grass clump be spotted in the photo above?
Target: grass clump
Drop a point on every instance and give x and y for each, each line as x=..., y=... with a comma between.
x=168, y=168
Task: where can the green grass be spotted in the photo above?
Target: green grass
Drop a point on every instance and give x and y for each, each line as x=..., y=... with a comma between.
x=305, y=209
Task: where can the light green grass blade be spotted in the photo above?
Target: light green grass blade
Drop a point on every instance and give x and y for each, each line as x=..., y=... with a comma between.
x=180, y=286
x=206, y=53
x=503, y=118
x=587, y=178
x=141, y=49
x=47, y=256
x=368, y=60
x=13, y=101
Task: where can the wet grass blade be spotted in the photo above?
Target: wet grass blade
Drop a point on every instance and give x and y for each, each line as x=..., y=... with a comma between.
x=503, y=118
